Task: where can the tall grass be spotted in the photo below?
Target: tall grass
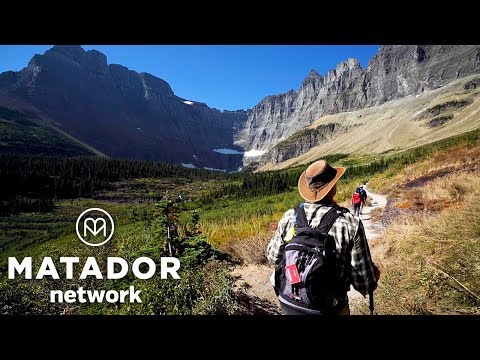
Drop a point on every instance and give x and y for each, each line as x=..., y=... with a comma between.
x=417, y=251
x=234, y=219
x=225, y=230
x=458, y=159
x=249, y=250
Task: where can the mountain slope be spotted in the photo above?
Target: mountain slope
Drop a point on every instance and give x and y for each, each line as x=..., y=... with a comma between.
x=403, y=123
x=121, y=112
x=22, y=133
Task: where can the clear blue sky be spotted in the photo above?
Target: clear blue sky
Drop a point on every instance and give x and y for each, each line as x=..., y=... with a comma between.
x=227, y=77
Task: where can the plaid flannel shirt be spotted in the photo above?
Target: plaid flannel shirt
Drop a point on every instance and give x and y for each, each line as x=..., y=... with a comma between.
x=354, y=263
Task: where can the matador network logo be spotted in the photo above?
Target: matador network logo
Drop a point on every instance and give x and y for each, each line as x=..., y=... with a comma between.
x=95, y=227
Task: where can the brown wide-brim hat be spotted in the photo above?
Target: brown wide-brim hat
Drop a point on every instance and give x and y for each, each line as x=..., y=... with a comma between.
x=318, y=179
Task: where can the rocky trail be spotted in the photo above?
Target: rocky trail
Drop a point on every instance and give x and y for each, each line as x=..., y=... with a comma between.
x=255, y=279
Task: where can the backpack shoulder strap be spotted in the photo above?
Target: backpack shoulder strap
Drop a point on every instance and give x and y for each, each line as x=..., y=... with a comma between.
x=301, y=217
x=329, y=219
x=313, y=215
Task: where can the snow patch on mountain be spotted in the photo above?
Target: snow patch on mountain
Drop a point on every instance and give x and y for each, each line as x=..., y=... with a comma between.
x=253, y=153
x=189, y=166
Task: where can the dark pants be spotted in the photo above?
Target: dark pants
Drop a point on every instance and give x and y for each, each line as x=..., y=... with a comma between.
x=356, y=209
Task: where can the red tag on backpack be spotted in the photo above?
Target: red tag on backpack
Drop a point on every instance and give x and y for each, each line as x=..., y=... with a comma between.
x=292, y=274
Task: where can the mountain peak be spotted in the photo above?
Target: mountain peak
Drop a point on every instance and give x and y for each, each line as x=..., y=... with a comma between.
x=73, y=52
x=92, y=60
x=153, y=83
x=350, y=64
x=96, y=61
x=312, y=77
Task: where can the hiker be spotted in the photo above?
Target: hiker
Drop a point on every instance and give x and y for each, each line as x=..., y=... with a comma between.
x=363, y=196
x=356, y=202
x=302, y=232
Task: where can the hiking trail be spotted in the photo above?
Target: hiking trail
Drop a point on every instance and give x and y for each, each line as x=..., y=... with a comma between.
x=358, y=303
x=256, y=278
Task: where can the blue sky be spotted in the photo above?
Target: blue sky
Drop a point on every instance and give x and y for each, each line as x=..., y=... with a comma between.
x=227, y=77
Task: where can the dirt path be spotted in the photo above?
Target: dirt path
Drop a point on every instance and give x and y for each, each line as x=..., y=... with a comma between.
x=255, y=279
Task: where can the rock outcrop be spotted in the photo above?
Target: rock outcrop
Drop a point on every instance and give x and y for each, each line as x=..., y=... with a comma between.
x=301, y=142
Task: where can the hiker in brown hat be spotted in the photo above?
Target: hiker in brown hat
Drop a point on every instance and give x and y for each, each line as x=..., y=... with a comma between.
x=320, y=249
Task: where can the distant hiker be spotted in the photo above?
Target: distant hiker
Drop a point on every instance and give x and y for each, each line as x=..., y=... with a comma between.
x=363, y=196
x=356, y=202
x=320, y=249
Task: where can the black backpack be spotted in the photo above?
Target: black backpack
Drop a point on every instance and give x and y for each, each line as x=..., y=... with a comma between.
x=305, y=279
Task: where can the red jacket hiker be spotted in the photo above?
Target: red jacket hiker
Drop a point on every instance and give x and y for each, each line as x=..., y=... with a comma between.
x=356, y=198
x=356, y=202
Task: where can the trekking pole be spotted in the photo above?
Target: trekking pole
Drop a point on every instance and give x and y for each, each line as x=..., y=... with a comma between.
x=169, y=224
x=371, y=307
x=168, y=240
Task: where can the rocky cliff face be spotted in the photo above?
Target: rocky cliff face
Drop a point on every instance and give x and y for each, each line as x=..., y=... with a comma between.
x=124, y=113
x=395, y=71
x=300, y=143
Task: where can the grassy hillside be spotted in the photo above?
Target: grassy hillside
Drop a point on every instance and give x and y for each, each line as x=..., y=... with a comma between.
x=431, y=262
x=20, y=134
x=430, y=253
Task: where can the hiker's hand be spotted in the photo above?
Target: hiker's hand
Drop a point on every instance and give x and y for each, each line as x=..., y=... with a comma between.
x=377, y=272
